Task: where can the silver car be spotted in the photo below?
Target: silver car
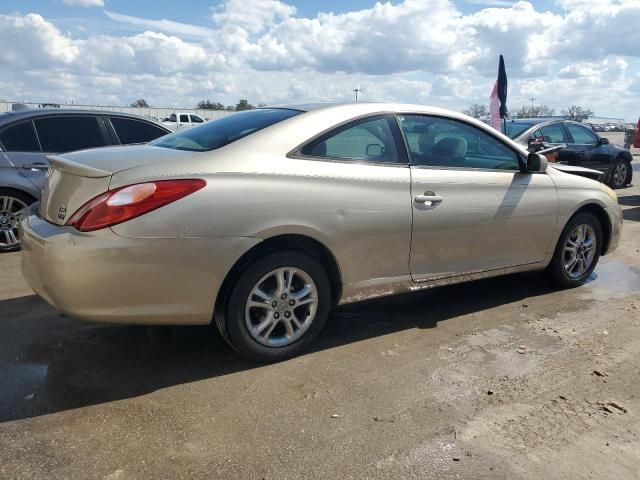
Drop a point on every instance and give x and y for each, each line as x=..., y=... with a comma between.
x=262, y=221
x=28, y=136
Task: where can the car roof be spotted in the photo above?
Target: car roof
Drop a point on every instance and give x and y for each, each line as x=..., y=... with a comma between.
x=13, y=116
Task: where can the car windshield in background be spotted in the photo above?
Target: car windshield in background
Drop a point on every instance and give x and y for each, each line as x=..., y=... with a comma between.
x=221, y=132
x=515, y=129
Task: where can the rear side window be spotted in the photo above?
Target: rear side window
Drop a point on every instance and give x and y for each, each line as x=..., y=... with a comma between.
x=218, y=133
x=184, y=118
x=20, y=138
x=65, y=134
x=135, y=131
x=515, y=129
x=369, y=140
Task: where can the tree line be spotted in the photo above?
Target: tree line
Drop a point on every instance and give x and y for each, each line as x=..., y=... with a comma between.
x=573, y=112
x=208, y=105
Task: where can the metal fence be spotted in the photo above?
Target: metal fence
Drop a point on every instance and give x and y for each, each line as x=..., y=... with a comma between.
x=156, y=113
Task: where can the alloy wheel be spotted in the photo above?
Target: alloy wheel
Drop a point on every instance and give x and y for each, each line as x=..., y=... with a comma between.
x=579, y=251
x=281, y=307
x=10, y=209
x=620, y=174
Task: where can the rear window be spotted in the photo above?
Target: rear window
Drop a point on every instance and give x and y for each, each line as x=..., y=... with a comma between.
x=65, y=134
x=225, y=130
x=135, y=131
x=515, y=129
x=20, y=138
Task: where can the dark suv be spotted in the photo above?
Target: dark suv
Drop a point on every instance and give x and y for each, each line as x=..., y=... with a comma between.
x=584, y=147
x=28, y=136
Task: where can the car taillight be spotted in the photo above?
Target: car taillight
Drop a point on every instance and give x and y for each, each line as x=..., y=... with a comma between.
x=124, y=203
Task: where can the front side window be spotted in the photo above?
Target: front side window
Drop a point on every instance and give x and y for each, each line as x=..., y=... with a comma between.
x=369, y=140
x=20, y=138
x=195, y=119
x=443, y=142
x=218, y=133
x=65, y=134
x=135, y=131
x=582, y=135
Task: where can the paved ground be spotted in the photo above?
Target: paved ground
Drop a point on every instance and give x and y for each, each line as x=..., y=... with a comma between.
x=503, y=378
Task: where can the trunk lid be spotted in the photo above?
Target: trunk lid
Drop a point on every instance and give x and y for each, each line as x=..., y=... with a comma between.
x=75, y=178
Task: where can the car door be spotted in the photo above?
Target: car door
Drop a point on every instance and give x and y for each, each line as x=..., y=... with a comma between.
x=473, y=209
x=590, y=152
x=22, y=149
x=66, y=133
x=555, y=134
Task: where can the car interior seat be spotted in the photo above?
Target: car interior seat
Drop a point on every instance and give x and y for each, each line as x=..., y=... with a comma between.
x=449, y=152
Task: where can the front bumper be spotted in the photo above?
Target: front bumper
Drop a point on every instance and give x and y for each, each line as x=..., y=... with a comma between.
x=616, y=217
x=103, y=277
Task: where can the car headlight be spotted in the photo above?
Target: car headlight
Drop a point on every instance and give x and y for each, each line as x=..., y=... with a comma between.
x=609, y=192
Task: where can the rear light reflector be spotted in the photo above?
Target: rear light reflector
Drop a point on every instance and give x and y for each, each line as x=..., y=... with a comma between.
x=124, y=203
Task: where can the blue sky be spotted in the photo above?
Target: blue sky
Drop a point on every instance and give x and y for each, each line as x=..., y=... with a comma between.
x=439, y=52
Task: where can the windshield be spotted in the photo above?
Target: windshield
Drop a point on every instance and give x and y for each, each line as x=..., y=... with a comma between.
x=515, y=129
x=221, y=132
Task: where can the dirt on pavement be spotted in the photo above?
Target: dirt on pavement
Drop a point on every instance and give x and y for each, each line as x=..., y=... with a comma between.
x=502, y=378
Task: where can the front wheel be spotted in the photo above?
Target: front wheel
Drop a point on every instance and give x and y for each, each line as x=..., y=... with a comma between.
x=620, y=173
x=277, y=307
x=577, y=251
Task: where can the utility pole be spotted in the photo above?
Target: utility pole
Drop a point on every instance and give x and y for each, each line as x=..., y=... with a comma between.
x=356, y=90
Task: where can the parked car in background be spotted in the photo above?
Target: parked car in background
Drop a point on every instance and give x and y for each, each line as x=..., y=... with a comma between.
x=28, y=136
x=584, y=147
x=263, y=220
x=180, y=121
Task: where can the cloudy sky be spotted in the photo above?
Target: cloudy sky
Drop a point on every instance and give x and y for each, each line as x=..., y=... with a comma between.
x=437, y=52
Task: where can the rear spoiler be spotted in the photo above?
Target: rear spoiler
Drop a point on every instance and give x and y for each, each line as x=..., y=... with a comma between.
x=77, y=169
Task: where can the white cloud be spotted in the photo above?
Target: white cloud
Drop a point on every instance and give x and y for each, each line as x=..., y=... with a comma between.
x=165, y=26
x=252, y=15
x=84, y=3
x=424, y=51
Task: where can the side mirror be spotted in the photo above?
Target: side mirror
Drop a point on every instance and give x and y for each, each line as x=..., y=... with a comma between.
x=374, y=150
x=537, y=163
x=604, y=141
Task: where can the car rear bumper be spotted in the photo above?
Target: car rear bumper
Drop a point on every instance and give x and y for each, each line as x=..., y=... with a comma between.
x=103, y=277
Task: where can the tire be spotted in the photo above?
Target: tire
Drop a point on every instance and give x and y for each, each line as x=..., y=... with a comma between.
x=563, y=276
x=621, y=173
x=10, y=201
x=243, y=325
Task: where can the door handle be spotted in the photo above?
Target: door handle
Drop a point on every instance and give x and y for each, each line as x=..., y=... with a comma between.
x=429, y=198
x=35, y=166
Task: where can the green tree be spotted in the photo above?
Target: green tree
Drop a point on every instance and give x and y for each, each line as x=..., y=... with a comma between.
x=577, y=113
x=477, y=111
x=243, y=105
x=140, y=103
x=209, y=105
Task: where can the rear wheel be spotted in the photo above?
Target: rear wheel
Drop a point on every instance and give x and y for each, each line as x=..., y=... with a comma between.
x=12, y=203
x=277, y=307
x=620, y=173
x=577, y=252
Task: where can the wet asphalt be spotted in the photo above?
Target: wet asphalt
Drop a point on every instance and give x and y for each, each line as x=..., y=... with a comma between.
x=392, y=389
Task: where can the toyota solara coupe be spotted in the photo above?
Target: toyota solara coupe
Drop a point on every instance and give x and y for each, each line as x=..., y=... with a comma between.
x=264, y=220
